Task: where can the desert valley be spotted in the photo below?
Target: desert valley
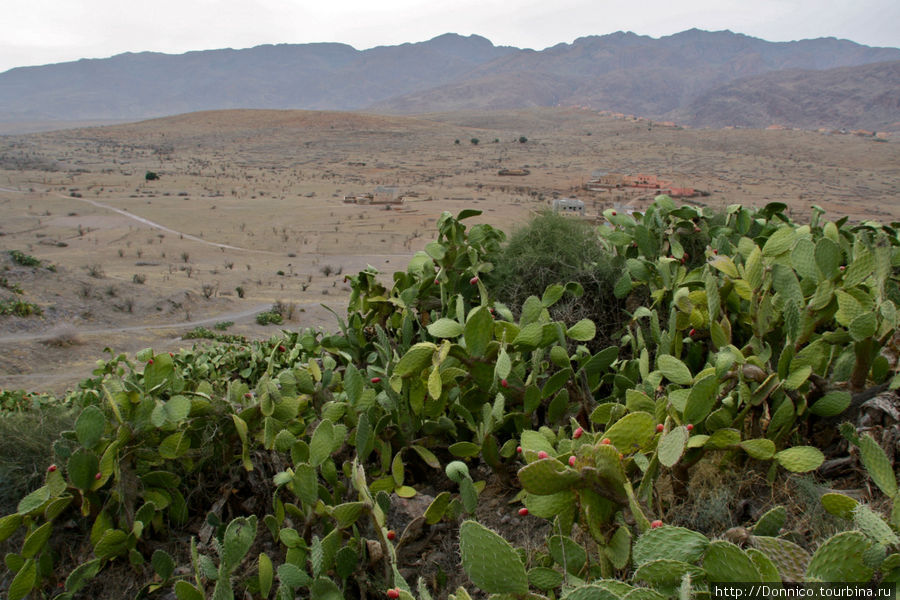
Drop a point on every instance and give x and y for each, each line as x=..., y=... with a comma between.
x=249, y=210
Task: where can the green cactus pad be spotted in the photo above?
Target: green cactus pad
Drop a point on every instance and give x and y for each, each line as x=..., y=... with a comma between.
x=545, y=578
x=643, y=594
x=533, y=442
x=770, y=524
x=671, y=446
x=547, y=507
x=723, y=438
x=666, y=573
x=725, y=562
x=877, y=465
x=871, y=524
x=489, y=560
x=89, y=426
x=666, y=542
x=839, y=505
x=568, y=552
x=764, y=565
x=701, y=399
x=347, y=513
x=619, y=548
x=841, y=558
x=789, y=558
x=760, y=449
x=632, y=432
x=874, y=556
x=415, y=359
x=800, y=459
x=831, y=404
x=590, y=592
x=435, y=511
x=674, y=370
x=460, y=594
x=608, y=465
x=547, y=476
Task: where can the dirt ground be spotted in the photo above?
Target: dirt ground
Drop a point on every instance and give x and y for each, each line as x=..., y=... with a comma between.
x=248, y=209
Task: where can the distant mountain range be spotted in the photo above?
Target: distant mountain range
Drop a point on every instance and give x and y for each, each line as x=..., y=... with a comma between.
x=696, y=78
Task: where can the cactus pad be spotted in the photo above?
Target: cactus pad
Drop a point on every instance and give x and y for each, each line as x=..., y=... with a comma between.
x=666, y=542
x=877, y=465
x=839, y=505
x=789, y=558
x=764, y=565
x=590, y=592
x=770, y=523
x=619, y=548
x=841, y=558
x=631, y=432
x=547, y=507
x=643, y=594
x=725, y=562
x=671, y=446
x=545, y=578
x=666, y=573
x=489, y=560
x=547, y=476
x=871, y=524
x=533, y=442
x=800, y=459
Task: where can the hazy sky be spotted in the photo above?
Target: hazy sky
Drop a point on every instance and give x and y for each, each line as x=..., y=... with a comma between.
x=47, y=31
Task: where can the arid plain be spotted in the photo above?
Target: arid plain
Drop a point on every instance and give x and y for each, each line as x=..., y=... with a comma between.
x=248, y=209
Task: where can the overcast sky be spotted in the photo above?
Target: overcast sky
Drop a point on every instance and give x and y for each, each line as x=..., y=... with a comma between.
x=39, y=32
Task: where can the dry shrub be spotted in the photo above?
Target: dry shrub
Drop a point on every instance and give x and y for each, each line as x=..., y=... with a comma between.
x=63, y=335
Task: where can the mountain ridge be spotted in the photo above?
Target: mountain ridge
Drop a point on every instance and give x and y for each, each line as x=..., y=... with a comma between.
x=660, y=78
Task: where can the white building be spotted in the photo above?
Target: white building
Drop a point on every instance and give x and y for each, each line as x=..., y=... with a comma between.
x=568, y=206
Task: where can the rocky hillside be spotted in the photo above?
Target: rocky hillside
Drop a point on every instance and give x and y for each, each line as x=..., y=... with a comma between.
x=704, y=78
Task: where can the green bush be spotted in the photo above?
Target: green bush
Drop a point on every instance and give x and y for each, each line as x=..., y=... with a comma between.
x=551, y=249
x=25, y=260
x=20, y=308
x=269, y=317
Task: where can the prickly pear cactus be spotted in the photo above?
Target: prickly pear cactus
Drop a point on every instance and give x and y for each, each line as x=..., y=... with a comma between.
x=764, y=565
x=590, y=592
x=489, y=560
x=547, y=507
x=547, y=476
x=725, y=562
x=871, y=524
x=632, y=432
x=877, y=465
x=800, y=459
x=239, y=536
x=841, y=558
x=671, y=446
x=640, y=593
x=771, y=522
x=839, y=505
x=666, y=542
x=666, y=574
x=789, y=558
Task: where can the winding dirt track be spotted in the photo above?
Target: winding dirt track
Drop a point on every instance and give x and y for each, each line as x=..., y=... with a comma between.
x=233, y=316
x=156, y=225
